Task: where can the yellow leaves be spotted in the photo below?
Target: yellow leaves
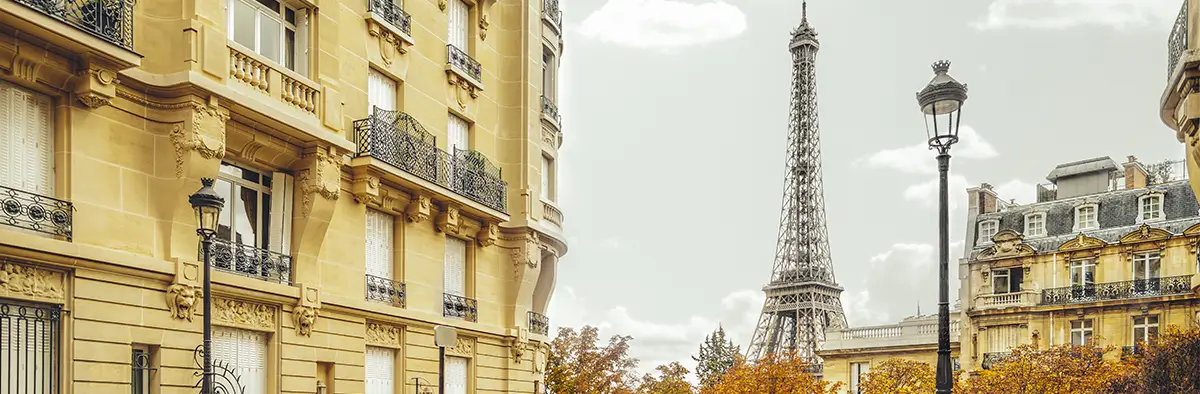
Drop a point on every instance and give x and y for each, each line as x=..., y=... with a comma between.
x=899, y=376
x=782, y=375
x=1063, y=369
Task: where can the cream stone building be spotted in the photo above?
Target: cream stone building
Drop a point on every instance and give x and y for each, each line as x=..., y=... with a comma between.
x=850, y=353
x=387, y=167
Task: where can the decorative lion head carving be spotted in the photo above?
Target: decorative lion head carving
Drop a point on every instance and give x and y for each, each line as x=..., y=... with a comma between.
x=181, y=301
x=305, y=318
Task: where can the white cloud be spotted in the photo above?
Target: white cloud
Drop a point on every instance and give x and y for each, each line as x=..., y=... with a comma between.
x=663, y=24
x=926, y=193
x=899, y=280
x=1016, y=189
x=918, y=159
x=1064, y=14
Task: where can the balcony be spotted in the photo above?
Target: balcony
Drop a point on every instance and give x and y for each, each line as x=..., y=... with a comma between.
x=552, y=214
x=913, y=332
x=1111, y=291
x=539, y=323
x=36, y=212
x=550, y=109
x=459, y=307
x=1177, y=42
x=990, y=359
x=550, y=9
x=395, y=138
x=386, y=291
x=392, y=14
x=1006, y=300
x=461, y=62
x=268, y=78
x=109, y=20
x=250, y=261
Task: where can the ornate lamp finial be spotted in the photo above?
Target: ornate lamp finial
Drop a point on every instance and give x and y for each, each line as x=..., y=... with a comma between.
x=941, y=66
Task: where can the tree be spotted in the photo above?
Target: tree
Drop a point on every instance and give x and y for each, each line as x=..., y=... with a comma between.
x=899, y=376
x=784, y=374
x=577, y=365
x=1063, y=369
x=717, y=355
x=672, y=380
x=1168, y=364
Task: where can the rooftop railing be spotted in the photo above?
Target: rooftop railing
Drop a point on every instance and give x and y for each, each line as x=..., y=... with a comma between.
x=109, y=20
x=1124, y=290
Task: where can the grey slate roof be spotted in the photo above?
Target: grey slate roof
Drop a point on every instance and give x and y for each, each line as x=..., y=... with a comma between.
x=1082, y=167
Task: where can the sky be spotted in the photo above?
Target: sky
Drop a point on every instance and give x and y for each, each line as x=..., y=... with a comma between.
x=675, y=124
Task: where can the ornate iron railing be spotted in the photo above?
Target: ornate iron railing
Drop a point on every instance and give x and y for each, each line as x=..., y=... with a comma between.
x=110, y=20
x=550, y=8
x=247, y=260
x=990, y=359
x=386, y=290
x=459, y=307
x=550, y=109
x=36, y=212
x=461, y=61
x=31, y=352
x=1130, y=289
x=396, y=138
x=1177, y=42
x=539, y=323
x=392, y=13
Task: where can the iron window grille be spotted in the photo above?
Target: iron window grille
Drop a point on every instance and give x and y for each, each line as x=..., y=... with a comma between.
x=386, y=290
x=392, y=13
x=459, y=307
x=36, y=212
x=539, y=323
x=140, y=370
x=29, y=349
x=109, y=20
x=463, y=62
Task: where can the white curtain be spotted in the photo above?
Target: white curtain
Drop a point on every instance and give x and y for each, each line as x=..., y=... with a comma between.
x=381, y=91
x=379, y=243
x=459, y=12
x=456, y=375
x=380, y=370
x=456, y=266
x=245, y=352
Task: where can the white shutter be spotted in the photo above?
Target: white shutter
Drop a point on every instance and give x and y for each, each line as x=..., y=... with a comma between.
x=245, y=352
x=459, y=11
x=546, y=165
x=456, y=267
x=458, y=131
x=456, y=375
x=379, y=243
x=380, y=370
x=381, y=91
x=9, y=149
x=281, y=213
x=26, y=140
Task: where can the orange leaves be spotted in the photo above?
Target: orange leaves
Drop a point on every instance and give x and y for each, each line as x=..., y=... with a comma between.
x=782, y=375
x=576, y=365
x=899, y=376
x=1063, y=369
x=672, y=379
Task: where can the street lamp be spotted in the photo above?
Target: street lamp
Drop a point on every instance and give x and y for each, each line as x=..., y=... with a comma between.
x=941, y=102
x=207, y=204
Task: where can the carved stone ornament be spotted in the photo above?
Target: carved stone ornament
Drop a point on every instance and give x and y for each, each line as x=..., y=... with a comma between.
x=487, y=234
x=96, y=86
x=528, y=254
x=24, y=281
x=304, y=318
x=419, y=208
x=1081, y=241
x=442, y=5
x=539, y=358
x=366, y=189
x=448, y=220
x=25, y=67
x=483, y=26
x=519, y=345
x=1145, y=233
x=244, y=314
x=1007, y=243
x=181, y=301
x=391, y=43
x=322, y=178
x=464, y=88
x=384, y=335
x=464, y=348
x=205, y=135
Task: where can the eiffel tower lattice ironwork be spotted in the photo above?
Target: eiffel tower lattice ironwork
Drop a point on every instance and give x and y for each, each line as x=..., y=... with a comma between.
x=803, y=297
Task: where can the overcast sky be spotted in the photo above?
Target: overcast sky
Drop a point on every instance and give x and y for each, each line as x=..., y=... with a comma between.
x=675, y=119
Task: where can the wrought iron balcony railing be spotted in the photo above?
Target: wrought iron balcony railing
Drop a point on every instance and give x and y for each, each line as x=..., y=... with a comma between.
x=386, y=290
x=1177, y=42
x=396, y=138
x=392, y=13
x=550, y=109
x=1130, y=289
x=459, y=307
x=539, y=323
x=990, y=359
x=251, y=261
x=36, y=212
x=110, y=20
x=463, y=62
x=550, y=8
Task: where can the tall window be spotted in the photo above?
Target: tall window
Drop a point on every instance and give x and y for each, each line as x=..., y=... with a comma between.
x=381, y=92
x=1081, y=332
x=1085, y=218
x=857, y=372
x=548, y=177
x=1146, y=265
x=257, y=208
x=29, y=348
x=1083, y=272
x=549, y=69
x=1007, y=280
x=1035, y=225
x=380, y=370
x=457, y=375
x=459, y=133
x=272, y=29
x=987, y=230
x=140, y=369
x=380, y=244
x=1145, y=328
x=456, y=267
x=1150, y=207
x=459, y=24
x=26, y=140
x=245, y=352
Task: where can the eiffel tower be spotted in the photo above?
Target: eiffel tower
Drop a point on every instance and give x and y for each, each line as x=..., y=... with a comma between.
x=803, y=298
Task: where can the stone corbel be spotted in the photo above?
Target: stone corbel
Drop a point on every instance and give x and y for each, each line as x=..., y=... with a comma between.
x=519, y=344
x=304, y=315
x=419, y=208
x=25, y=67
x=365, y=187
x=463, y=88
x=199, y=143
x=318, y=185
x=96, y=85
x=392, y=41
x=487, y=234
x=448, y=220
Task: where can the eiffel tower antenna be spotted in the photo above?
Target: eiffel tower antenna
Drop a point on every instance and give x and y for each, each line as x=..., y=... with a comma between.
x=803, y=297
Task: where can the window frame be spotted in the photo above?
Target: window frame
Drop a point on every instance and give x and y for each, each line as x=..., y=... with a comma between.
x=264, y=219
x=1095, y=217
x=856, y=375
x=995, y=229
x=299, y=27
x=46, y=136
x=388, y=244
x=1013, y=280
x=1085, y=330
x=1147, y=323
x=549, y=180
x=267, y=354
x=1144, y=259
x=1085, y=266
x=396, y=380
x=1041, y=216
x=466, y=268
x=1159, y=214
x=466, y=375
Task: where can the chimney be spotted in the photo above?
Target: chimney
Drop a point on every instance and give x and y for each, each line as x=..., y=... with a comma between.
x=983, y=199
x=1136, y=176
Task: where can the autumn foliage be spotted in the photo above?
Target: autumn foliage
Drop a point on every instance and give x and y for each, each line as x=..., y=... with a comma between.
x=783, y=374
x=577, y=365
x=1170, y=364
x=899, y=376
x=1063, y=369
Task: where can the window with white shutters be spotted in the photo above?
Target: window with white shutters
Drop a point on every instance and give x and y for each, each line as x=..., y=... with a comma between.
x=379, y=244
x=459, y=15
x=458, y=132
x=380, y=370
x=1003, y=338
x=456, y=267
x=26, y=140
x=456, y=375
x=381, y=91
x=245, y=352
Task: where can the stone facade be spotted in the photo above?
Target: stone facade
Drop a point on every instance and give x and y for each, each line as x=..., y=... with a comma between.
x=142, y=109
x=913, y=338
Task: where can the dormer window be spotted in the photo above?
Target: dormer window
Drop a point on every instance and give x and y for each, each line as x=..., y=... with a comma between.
x=1086, y=217
x=1150, y=208
x=987, y=230
x=1035, y=225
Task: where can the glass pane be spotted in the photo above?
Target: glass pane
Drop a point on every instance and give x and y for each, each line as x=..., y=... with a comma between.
x=289, y=49
x=270, y=4
x=245, y=219
x=289, y=15
x=225, y=223
x=243, y=24
x=269, y=40
x=1139, y=269
x=1152, y=267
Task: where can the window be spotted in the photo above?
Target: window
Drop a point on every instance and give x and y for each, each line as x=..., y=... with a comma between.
x=1150, y=208
x=272, y=29
x=457, y=374
x=1145, y=328
x=26, y=140
x=141, y=367
x=1035, y=225
x=459, y=24
x=380, y=370
x=549, y=85
x=1081, y=332
x=987, y=230
x=1006, y=281
x=548, y=184
x=458, y=133
x=381, y=92
x=1085, y=218
x=379, y=244
x=456, y=267
x=1083, y=272
x=29, y=348
x=245, y=352
x=260, y=216
x=1146, y=265
x=857, y=372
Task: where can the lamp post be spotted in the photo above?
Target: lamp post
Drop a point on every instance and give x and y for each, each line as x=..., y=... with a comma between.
x=207, y=204
x=941, y=102
x=444, y=337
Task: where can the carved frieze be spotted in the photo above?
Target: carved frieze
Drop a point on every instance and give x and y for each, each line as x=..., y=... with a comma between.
x=304, y=317
x=244, y=314
x=448, y=220
x=1007, y=244
x=384, y=335
x=30, y=282
x=464, y=348
x=181, y=301
x=419, y=208
x=1145, y=233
